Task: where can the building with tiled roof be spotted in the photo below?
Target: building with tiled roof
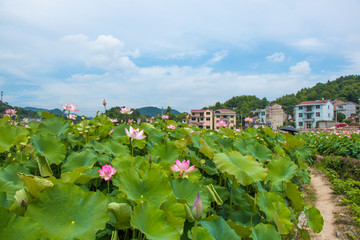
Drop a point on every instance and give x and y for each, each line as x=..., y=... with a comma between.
x=207, y=118
x=309, y=114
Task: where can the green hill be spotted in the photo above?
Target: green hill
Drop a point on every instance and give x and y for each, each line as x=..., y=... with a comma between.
x=155, y=111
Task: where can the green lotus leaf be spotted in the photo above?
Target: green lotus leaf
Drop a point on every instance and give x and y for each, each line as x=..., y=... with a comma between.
x=184, y=189
x=266, y=201
x=21, y=197
x=152, y=186
x=227, y=132
x=50, y=147
x=293, y=142
x=10, y=136
x=122, y=212
x=315, y=220
x=152, y=221
x=201, y=233
x=43, y=165
x=176, y=214
x=4, y=201
x=9, y=180
x=55, y=126
x=164, y=153
x=85, y=158
x=265, y=231
x=219, y=229
x=296, y=197
x=64, y=211
x=240, y=230
x=282, y=218
x=13, y=227
x=140, y=144
x=35, y=184
x=254, y=148
x=77, y=176
x=281, y=169
x=245, y=168
x=206, y=149
x=110, y=147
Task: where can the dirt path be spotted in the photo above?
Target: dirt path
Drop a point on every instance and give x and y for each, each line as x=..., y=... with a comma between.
x=326, y=203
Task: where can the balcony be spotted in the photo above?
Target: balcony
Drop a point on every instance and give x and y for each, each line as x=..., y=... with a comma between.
x=308, y=119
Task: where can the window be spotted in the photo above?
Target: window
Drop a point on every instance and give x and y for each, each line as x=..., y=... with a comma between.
x=232, y=116
x=318, y=114
x=202, y=119
x=317, y=106
x=201, y=114
x=207, y=127
x=208, y=113
x=309, y=108
x=207, y=119
x=328, y=114
x=300, y=108
x=300, y=124
x=194, y=119
x=193, y=113
x=217, y=116
x=328, y=107
x=300, y=114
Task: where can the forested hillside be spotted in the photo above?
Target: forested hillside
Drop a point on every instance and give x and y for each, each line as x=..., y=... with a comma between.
x=344, y=88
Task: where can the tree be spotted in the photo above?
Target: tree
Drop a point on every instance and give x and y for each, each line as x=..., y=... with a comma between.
x=340, y=117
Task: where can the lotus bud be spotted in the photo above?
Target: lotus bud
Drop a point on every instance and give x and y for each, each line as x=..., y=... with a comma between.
x=104, y=103
x=197, y=208
x=24, y=203
x=150, y=159
x=111, y=131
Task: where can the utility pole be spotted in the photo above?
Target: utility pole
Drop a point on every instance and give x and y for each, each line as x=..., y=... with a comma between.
x=2, y=93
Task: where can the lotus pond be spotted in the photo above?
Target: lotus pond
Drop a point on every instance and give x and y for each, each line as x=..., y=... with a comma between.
x=91, y=179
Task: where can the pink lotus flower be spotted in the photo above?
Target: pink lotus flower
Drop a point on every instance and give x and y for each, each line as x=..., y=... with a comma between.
x=249, y=119
x=165, y=116
x=182, y=167
x=238, y=129
x=112, y=131
x=171, y=126
x=70, y=108
x=72, y=116
x=222, y=123
x=126, y=110
x=106, y=172
x=10, y=112
x=204, y=124
x=135, y=134
x=197, y=208
x=114, y=120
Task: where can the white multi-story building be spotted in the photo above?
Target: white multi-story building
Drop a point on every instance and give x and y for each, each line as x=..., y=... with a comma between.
x=346, y=108
x=310, y=113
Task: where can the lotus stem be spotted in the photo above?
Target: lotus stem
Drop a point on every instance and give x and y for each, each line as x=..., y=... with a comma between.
x=195, y=230
x=108, y=186
x=132, y=154
x=252, y=212
x=231, y=194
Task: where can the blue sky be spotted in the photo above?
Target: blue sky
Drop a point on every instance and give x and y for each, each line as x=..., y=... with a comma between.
x=186, y=54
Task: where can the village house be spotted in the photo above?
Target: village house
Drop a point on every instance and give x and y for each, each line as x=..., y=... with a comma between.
x=314, y=114
x=208, y=119
x=273, y=116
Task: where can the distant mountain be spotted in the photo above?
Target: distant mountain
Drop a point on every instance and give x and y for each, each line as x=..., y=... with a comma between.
x=55, y=111
x=155, y=111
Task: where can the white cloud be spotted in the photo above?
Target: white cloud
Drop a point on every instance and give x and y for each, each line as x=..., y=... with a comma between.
x=301, y=68
x=185, y=54
x=308, y=43
x=105, y=52
x=218, y=56
x=276, y=57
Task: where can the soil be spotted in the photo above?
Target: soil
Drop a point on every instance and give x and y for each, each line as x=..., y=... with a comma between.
x=337, y=219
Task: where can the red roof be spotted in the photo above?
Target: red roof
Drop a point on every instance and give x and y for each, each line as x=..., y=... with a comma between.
x=225, y=110
x=201, y=110
x=314, y=102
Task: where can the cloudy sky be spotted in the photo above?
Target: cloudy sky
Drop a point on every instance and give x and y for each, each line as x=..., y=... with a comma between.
x=184, y=54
